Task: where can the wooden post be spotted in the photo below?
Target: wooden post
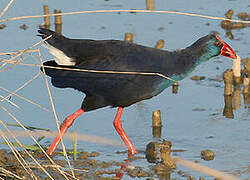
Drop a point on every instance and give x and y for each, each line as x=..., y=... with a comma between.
x=175, y=88
x=228, y=80
x=46, y=18
x=150, y=4
x=58, y=22
x=58, y=18
x=156, y=123
x=128, y=37
x=160, y=44
x=156, y=117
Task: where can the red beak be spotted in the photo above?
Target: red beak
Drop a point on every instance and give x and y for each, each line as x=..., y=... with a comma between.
x=226, y=50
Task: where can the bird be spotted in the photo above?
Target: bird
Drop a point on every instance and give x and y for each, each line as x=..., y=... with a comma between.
x=101, y=69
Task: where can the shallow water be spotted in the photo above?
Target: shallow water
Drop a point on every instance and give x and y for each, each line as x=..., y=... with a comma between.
x=186, y=127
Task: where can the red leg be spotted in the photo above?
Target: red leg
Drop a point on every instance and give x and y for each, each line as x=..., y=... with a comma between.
x=118, y=126
x=64, y=126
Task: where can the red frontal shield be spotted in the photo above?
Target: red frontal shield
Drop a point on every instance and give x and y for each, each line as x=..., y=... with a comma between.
x=226, y=50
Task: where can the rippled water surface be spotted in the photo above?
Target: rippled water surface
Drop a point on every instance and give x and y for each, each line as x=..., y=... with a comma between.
x=192, y=119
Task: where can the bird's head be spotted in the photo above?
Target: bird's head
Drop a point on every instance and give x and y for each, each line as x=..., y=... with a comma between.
x=210, y=46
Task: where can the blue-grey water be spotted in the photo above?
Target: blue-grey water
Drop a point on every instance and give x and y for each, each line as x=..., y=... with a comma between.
x=185, y=127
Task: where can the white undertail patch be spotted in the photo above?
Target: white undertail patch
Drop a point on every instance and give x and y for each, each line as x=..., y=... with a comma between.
x=60, y=57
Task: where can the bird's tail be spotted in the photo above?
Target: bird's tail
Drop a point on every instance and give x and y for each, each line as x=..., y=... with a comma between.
x=44, y=33
x=57, y=46
x=55, y=40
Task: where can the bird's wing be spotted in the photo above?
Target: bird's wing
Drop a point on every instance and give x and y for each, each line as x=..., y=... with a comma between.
x=102, y=54
x=74, y=51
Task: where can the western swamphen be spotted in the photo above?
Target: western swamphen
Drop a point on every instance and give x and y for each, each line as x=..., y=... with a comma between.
x=74, y=56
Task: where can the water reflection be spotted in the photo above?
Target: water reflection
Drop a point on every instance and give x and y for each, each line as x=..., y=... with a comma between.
x=233, y=102
x=228, y=26
x=163, y=172
x=158, y=151
x=236, y=87
x=236, y=98
x=159, y=154
x=130, y=170
x=246, y=100
x=120, y=174
x=228, y=108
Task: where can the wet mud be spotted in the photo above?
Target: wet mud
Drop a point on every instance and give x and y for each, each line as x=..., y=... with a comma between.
x=87, y=166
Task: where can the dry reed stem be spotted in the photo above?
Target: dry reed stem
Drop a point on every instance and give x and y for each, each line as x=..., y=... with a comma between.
x=15, y=62
x=30, y=135
x=35, y=58
x=17, y=155
x=105, y=71
x=21, y=145
x=54, y=112
x=15, y=52
x=27, y=84
x=205, y=169
x=14, y=65
x=9, y=173
x=6, y=8
x=18, y=89
x=25, y=99
x=23, y=64
x=125, y=10
x=4, y=64
x=22, y=52
x=9, y=101
x=58, y=166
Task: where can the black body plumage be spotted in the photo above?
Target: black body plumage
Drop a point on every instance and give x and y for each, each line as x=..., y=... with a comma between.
x=120, y=89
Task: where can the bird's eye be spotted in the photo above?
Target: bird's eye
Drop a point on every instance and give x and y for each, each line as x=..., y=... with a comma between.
x=219, y=43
